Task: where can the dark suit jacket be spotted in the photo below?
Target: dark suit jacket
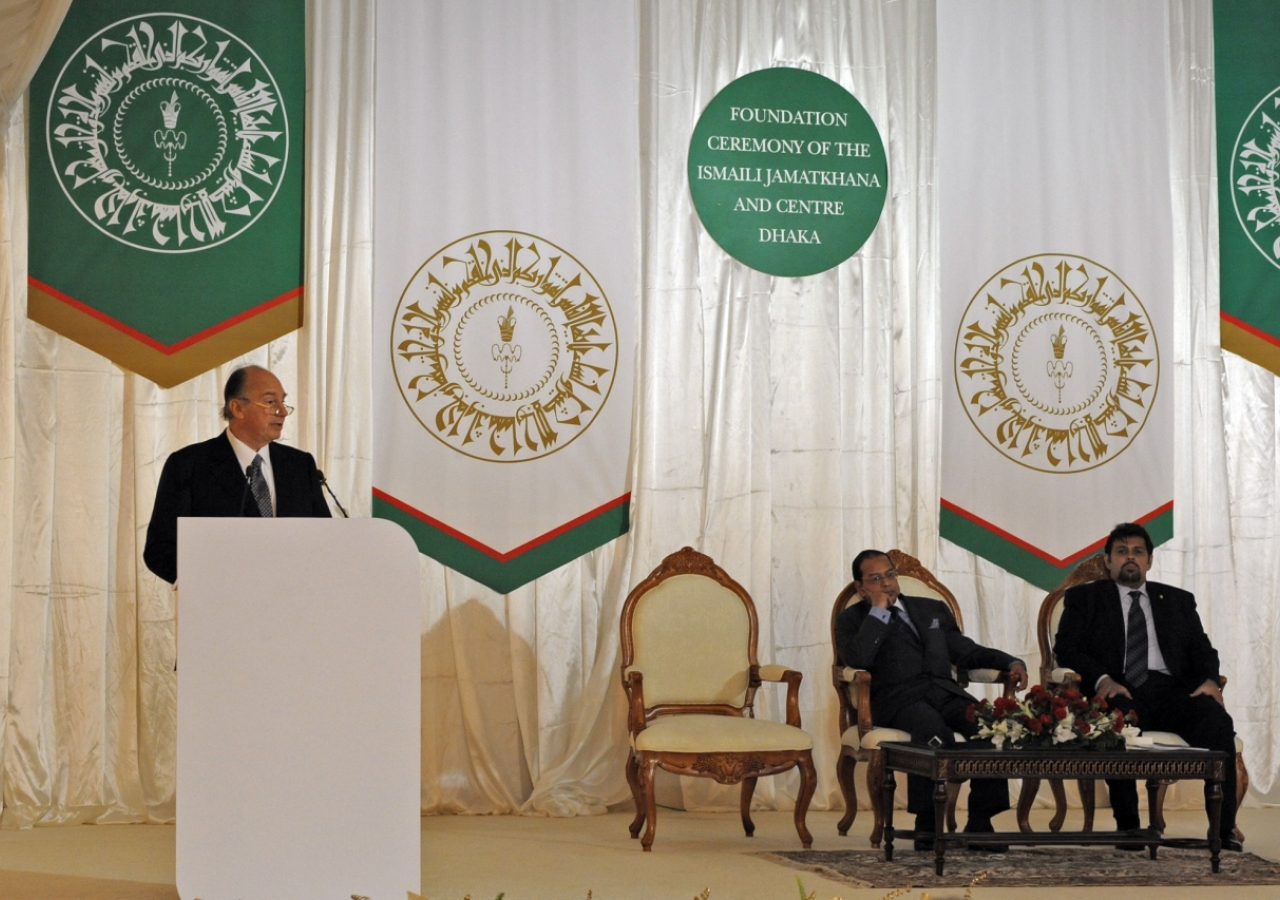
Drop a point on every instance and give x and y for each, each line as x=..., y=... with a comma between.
x=205, y=479
x=902, y=667
x=1091, y=634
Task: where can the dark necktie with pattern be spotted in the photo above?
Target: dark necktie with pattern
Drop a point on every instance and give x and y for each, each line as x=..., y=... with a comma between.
x=900, y=618
x=258, y=484
x=1135, y=657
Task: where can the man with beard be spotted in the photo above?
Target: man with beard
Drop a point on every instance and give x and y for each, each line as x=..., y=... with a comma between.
x=1140, y=645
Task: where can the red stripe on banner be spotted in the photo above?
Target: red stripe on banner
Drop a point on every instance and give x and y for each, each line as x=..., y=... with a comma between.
x=1256, y=332
x=1036, y=551
x=166, y=349
x=489, y=551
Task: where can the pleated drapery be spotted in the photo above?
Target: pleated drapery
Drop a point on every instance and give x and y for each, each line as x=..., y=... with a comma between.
x=780, y=426
x=87, y=633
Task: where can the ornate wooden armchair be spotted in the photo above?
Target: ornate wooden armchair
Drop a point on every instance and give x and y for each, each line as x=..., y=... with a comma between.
x=690, y=671
x=860, y=739
x=1052, y=675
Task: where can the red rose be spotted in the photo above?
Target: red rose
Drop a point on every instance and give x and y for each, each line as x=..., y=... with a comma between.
x=972, y=712
x=1035, y=689
x=1071, y=694
x=1059, y=702
x=1131, y=717
x=1085, y=728
x=1102, y=703
x=1034, y=726
x=1059, y=713
x=1046, y=719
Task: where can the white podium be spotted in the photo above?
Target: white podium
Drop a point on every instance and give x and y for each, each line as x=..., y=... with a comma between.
x=299, y=677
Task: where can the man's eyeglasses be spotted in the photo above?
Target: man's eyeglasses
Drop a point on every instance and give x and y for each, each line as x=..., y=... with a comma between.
x=881, y=576
x=276, y=409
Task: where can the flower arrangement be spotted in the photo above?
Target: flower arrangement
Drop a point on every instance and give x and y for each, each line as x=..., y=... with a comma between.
x=1063, y=718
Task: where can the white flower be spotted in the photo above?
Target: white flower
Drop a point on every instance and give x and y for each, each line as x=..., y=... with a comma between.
x=998, y=741
x=1065, y=731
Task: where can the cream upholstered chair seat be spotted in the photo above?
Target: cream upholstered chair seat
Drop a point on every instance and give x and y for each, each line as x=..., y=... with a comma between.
x=1169, y=739
x=710, y=734
x=877, y=736
x=690, y=671
x=860, y=738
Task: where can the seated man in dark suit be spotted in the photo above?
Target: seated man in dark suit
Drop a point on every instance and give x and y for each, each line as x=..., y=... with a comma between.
x=232, y=475
x=909, y=645
x=1140, y=646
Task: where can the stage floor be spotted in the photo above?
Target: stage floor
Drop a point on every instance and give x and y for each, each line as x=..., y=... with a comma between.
x=524, y=858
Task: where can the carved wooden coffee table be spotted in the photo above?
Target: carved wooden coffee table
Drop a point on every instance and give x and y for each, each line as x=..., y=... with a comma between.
x=955, y=764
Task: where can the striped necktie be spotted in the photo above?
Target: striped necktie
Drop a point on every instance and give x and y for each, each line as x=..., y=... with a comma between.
x=258, y=484
x=1135, y=657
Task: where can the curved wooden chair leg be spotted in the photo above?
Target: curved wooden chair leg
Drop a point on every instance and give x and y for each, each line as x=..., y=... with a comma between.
x=1026, y=797
x=646, y=778
x=1157, y=814
x=748, y=789
x=953, y=796
x=1059, y=804
x=633, y=781
x=849, y=789
x=1242, y=788
x=1088, y=801
x=875, y=785
x=808, y=784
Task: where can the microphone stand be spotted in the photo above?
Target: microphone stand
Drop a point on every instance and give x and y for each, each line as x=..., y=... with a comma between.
x=244, y=494
x=325, y=484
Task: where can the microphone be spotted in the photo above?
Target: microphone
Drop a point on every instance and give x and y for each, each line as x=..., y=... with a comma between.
x=325, y=484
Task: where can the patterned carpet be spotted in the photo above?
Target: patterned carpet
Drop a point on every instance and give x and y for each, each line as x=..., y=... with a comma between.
x=1031, y=867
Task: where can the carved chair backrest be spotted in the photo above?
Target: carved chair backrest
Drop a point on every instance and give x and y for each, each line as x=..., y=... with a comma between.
x=691, y=631
x=1092, y=569
x=914, y=580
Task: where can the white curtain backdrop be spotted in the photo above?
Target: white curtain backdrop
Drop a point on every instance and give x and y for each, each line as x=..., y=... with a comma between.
x=780, y=425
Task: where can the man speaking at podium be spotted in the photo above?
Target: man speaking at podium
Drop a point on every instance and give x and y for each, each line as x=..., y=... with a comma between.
x=232, y=474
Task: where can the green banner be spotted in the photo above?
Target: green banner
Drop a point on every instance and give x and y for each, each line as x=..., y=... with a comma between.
x=1247, y=76
x=166, y=180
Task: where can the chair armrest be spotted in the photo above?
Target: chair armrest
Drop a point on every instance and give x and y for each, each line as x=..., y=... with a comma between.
x=793, y=679
x=1064, y=677
x=862, y=691
x=993, y=676
x=633, y=683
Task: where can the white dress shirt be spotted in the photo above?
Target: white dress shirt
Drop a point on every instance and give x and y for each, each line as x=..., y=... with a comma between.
x=245, y=455
x=1155, y=659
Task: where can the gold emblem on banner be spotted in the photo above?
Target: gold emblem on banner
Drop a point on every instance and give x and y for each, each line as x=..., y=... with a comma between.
x=504, y=346
x=1056, y=363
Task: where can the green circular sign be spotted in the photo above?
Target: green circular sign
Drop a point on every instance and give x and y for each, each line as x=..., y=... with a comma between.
x=787, y=171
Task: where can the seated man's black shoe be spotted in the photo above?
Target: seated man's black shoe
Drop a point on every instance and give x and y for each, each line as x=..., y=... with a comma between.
x=925, y=825
x=1233, y=845
x=983, y=826
x=1129, y=823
